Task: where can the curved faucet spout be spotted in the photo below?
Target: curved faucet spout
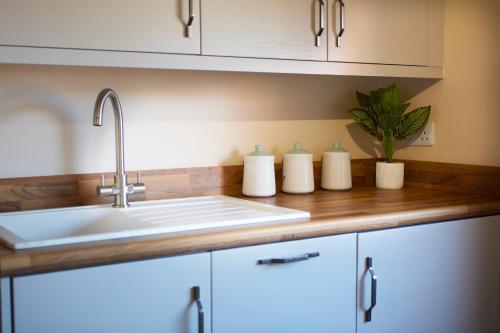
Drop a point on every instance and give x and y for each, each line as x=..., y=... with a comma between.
x=121, y=188
x=98, y=110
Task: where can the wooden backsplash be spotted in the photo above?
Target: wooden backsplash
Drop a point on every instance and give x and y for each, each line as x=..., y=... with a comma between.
x=75, y=190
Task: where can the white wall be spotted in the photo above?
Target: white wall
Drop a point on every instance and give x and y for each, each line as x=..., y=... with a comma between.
x=172, y=118
x=186, y=119
x=467, y=111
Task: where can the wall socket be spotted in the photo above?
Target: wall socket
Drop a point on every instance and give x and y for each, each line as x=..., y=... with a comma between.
x=425, y=137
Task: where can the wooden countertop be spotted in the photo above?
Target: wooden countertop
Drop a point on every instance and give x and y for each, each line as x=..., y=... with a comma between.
x=358, y=210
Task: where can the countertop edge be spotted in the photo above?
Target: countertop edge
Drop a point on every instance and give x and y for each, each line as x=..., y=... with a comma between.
x=18, y=263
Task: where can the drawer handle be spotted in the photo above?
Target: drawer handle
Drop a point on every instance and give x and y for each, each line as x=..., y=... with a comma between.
x=199, y=305
x=190, y=19
x=369, y=266
x=306, y=256
x=341, y=22
x=321, y=22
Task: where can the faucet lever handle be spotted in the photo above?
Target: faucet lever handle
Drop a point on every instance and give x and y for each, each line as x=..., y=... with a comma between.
x=101, y=180
x=139, y=177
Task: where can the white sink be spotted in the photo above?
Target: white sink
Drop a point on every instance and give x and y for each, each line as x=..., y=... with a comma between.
x=33, y=229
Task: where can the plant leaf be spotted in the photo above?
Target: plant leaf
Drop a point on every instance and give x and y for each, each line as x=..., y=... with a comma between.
x=389, y=98
x=402, y=108
x=412, y=122
x=363, y=119
x=387, y=118
x=363, y=100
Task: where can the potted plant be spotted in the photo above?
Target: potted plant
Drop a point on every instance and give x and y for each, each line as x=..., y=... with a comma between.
x=383, y=115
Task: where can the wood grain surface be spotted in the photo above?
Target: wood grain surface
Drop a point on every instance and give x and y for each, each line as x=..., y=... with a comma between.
x=433, y=192
x=76, y=190
x=358, y=210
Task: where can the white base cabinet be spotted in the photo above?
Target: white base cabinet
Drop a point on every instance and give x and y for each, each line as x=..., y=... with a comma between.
x=442, y=277
x=143, y=296
x=314, y=295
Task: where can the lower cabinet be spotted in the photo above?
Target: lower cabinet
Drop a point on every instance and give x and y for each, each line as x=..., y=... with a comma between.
x=144, y=296
x=300, y=286
x=442, y=277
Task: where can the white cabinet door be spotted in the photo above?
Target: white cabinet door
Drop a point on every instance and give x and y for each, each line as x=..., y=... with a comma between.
x=123, y=25
x=435, y=278
x=379, y=31
x=314, y=295
x=144, y=296
x=264, y=29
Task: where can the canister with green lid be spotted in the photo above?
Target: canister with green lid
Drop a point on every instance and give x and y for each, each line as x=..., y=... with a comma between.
x=258, y=174
x=336, y=169
x=298, y=173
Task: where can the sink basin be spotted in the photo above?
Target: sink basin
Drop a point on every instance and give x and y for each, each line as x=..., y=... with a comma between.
x=33, y=229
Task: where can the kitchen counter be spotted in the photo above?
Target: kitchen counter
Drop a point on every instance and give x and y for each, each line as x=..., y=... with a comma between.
x=358, y=210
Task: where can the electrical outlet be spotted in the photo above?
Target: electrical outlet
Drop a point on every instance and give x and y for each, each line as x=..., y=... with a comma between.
x=423, y=138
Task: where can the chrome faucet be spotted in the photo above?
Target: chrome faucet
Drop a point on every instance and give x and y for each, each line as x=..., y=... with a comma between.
x=120, y=189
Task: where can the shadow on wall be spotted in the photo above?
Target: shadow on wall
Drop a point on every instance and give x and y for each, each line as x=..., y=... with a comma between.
x=150, y=95
x=36, y=103
x=409, y=88
x=64, y=95
x=226, y=96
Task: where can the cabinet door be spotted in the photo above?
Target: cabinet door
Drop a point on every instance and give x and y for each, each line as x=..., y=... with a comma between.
x=264, y=29
x=143, y=296
x=124, y=25
x=435, y=278
x=379, y=31
x=314, y=295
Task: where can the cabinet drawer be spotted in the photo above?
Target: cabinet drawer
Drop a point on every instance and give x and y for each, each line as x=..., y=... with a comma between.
x=314, y=295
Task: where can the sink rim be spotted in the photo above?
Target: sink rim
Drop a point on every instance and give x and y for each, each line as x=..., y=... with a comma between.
x=15, y=241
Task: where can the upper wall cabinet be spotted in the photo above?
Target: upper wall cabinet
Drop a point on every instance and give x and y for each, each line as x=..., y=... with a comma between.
x=118, y=25
x=281, y=29
x=395, y=38
x=379, y=31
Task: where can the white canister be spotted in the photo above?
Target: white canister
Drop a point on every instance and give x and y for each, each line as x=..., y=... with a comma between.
x=258, y=174
x=336, y=169
x=298, y=173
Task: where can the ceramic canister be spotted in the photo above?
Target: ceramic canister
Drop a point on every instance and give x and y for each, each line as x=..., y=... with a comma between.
x=298, y=175
x=336, y=169
x=258, y=174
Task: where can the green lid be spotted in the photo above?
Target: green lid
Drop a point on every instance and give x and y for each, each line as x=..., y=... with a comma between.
x=259, y=151
x=297, y=149
x=337, y=148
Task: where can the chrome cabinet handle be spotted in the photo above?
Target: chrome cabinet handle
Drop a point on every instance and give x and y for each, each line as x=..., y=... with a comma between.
x=341, y=22
x=321, y=22
x=190, y=19
x=306, y=256
x=201, y=313
x=369, y=266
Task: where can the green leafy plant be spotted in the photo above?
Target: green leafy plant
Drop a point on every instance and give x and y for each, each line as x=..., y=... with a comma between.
x=383, y=115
